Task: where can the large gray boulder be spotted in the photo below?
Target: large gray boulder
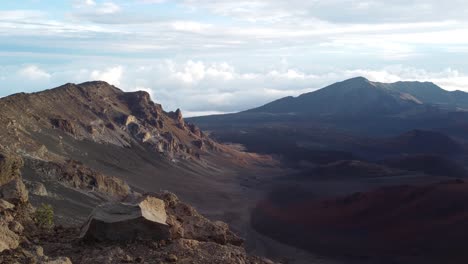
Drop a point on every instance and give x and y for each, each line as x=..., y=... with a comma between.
x=142, y=220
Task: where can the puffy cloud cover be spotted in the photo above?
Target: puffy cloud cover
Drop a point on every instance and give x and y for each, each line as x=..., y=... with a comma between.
x=225, y=56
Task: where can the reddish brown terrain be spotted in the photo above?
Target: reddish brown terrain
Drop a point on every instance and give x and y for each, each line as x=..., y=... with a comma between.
x=403, y=224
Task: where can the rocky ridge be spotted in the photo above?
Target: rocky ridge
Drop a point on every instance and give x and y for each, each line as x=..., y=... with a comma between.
x=98, y=112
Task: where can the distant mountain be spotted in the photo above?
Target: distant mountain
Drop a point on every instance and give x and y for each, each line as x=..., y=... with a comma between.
x=338, y=116
x=429, y=93
x=359, y=96
x=355, y=106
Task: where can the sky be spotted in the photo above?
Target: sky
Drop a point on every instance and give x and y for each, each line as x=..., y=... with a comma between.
x=220, y=56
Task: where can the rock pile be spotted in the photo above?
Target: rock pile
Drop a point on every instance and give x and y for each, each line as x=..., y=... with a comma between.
x=155, y=228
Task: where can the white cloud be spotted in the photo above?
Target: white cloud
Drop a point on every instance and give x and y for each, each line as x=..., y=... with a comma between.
x=205, y=87
x=340, y=11
x=108, y=8
x=152, y=1
x=33, y=72
x=15, y=15
x=111, y=75
x=88, y=7
x=192, y=72
x=191, y=26
x=83, y=3
x=224, y=56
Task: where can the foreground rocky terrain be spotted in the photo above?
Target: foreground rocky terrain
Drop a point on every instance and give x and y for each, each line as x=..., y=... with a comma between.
x=187, y=237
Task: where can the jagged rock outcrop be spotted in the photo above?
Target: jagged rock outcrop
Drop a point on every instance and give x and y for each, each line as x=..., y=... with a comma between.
x=10, y=165
x=15, y=191
x=13, y=204
x=8, y=239
x=64, y=125
x=144, y=220
x=4, y=205
x=77, y=175
x=199, y=144
x=179, y=119
x=141, y=106
x=195, y=130
x=187, y=223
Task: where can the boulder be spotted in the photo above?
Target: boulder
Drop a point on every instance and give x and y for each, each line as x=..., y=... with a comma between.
x=37, y=188
x=14, y=192
x=130, y=120
x=8, y=239
x=4, y=205
x=64, y=125
x=10, y=166
x=143, y=220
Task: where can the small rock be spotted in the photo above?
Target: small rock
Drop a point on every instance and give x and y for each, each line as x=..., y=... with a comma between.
x=4, y=205
x=172, y=258
x=139, y=260
x=37, y=188
x=16, y=227
x=154, y=245
x=39, y=251
x=127, y=259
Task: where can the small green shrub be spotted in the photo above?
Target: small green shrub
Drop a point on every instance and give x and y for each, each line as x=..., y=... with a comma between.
x=44, y=216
